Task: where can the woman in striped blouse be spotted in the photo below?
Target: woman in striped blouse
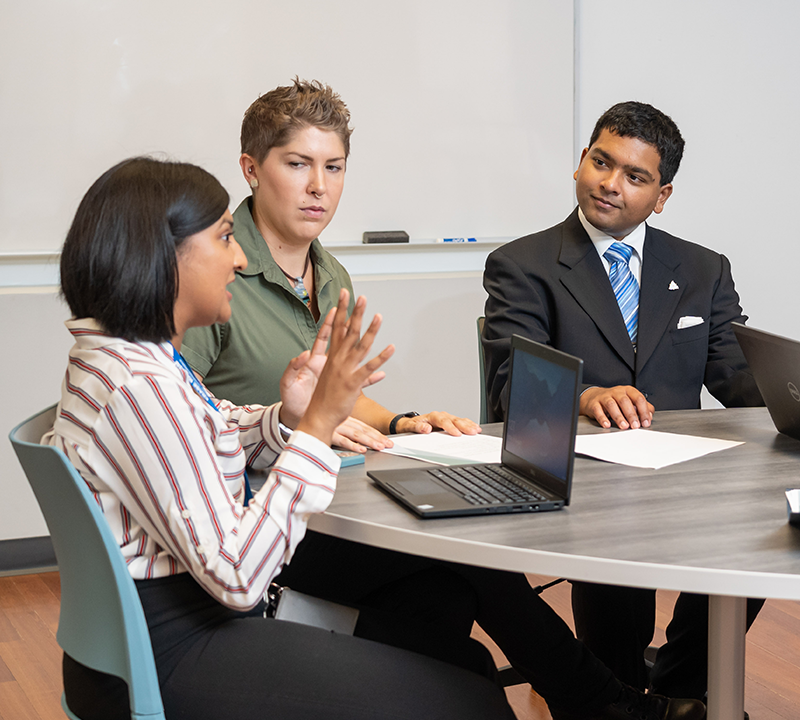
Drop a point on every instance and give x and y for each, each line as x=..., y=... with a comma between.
x=150, y=254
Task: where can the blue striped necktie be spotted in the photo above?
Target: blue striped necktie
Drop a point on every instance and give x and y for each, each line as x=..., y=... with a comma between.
x=624, y=285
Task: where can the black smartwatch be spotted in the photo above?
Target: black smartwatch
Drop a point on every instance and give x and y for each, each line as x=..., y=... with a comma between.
x=393, y=424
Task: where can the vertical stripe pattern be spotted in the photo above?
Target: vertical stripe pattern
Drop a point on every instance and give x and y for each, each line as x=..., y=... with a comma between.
x=167, y=469
x=624, y=284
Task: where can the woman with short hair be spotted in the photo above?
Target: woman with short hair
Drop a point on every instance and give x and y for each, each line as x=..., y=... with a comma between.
x=295, y=141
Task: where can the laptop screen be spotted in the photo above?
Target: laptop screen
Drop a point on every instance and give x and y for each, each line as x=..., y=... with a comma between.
x=542, y=409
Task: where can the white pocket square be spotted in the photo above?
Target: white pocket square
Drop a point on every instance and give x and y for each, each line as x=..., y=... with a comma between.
x=673, y=285
x=688, y=321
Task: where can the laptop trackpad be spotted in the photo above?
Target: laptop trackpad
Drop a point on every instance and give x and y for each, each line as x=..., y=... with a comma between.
x=418, y=486
x=424, y=492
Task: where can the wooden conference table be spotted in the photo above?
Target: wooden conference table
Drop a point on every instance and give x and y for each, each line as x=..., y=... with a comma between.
x=714, y=525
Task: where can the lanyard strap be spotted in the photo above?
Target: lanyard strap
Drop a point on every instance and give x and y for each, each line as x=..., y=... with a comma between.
x=201, y=390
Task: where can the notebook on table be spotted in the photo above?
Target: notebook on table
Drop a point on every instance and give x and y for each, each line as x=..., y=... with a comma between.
x=775, y=364
x=535, y=472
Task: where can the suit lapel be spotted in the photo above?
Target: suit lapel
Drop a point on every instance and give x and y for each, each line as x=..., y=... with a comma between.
x=657, y=302
x=588, y=284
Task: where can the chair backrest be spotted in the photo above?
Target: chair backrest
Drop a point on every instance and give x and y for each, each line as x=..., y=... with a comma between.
x=102, y=624
x=484, y=416
x=488, y=414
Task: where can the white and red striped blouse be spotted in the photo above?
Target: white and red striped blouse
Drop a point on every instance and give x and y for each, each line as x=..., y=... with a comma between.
x=167, y=469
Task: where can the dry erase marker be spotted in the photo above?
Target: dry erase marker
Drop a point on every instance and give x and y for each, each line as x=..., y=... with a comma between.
x=456, y=240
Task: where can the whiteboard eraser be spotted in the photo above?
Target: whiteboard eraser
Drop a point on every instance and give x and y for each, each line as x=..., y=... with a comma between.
x=386, y=236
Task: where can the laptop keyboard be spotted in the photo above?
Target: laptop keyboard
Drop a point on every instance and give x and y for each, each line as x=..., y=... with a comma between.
x=481, y=484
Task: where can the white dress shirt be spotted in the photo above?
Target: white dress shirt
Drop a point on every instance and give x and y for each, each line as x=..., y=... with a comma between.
x=602, y=242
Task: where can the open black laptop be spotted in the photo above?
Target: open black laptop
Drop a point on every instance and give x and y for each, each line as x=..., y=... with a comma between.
x=538, y=447
x=775, y=364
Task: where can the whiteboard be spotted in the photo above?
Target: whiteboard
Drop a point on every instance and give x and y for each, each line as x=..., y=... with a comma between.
x=462, y=110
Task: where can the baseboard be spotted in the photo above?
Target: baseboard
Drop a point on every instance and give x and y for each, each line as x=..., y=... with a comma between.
x=26, y=555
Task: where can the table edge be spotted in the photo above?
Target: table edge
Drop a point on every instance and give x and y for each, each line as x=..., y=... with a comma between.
x=711, y=581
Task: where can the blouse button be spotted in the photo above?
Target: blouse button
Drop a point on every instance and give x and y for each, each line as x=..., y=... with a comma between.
x=186, y=514
x=200, y=549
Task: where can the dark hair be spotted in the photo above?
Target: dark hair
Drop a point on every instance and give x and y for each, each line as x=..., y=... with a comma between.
x=275, y=116
x=119, y=261
x=643, y=121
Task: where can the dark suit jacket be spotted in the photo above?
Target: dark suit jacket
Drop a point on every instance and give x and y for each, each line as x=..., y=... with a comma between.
x=552, y=287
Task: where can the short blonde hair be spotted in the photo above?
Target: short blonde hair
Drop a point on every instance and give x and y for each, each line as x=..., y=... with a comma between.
x=274, y=117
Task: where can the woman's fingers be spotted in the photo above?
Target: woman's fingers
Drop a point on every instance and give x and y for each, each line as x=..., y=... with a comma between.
x=340, y=320
x=365, y=343
x=369, y=369
x=344, y=372
x=298, y=362
x=356, y=435
x=347, y=336
x=320, y=345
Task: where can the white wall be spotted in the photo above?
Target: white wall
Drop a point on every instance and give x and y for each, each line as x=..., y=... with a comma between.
x=31, y=369
x=431, y=319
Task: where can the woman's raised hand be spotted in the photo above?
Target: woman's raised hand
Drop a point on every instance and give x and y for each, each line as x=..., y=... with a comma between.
x=344, y=373
x=300, y=378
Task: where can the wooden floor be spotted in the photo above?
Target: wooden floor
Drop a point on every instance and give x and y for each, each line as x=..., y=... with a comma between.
x=30, y=660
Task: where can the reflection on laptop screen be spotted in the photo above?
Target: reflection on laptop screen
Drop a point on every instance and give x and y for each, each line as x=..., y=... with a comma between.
x=539, y=428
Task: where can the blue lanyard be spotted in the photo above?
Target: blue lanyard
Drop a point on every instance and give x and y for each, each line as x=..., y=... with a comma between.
x=201, y=390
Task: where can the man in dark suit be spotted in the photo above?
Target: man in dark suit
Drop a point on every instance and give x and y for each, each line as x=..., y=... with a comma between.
x=650, y=314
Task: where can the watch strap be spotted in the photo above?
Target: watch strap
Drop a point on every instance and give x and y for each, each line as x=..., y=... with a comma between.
x=396, y=418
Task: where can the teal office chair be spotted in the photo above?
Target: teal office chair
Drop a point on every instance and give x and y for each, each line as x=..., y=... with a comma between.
x=102, y=624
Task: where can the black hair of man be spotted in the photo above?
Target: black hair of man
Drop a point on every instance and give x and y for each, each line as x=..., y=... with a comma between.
x=119, y=262
x=649, y=124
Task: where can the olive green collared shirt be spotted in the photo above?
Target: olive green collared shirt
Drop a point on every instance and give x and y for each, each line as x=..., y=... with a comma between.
x=243, y=360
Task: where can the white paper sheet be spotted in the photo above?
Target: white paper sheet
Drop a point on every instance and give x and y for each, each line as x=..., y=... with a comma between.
x=648, y=448
x=442, y=449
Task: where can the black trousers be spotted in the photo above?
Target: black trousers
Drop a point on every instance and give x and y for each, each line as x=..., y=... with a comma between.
x=216, y=663
x=533, y=637
x=617, y=624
